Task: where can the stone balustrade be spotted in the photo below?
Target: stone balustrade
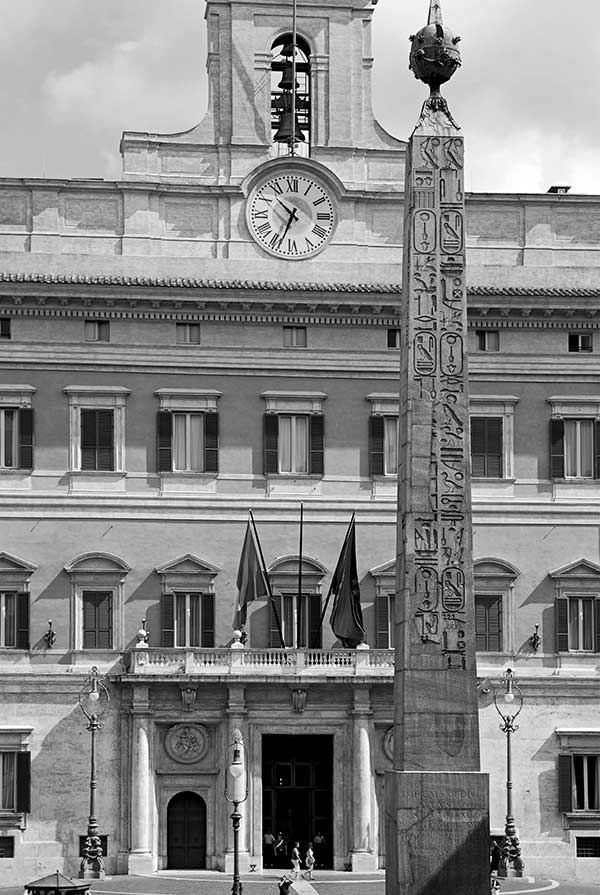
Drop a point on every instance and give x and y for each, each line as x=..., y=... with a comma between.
x=262, y=662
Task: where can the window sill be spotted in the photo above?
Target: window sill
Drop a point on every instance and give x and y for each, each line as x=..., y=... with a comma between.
x=187, y=481
x=15, y=478
x=582, y=820
x=12, y=820
x=96, y=480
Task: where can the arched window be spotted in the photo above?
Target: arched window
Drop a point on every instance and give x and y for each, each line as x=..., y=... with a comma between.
x=286, y=134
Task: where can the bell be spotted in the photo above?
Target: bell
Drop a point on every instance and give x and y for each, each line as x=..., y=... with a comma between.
x=284, y=131
x=287, y=79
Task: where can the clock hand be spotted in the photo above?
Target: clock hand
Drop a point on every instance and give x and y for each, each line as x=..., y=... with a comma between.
x=293, y=217
x=290, y=211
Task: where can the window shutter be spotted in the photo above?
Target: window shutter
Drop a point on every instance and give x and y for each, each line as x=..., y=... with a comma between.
x=315, y=640
x=88, y=439
x=597, y=450
x=494, y=447
x=274, y=638
x=26, y=438
x=316, y=423
x=495, y=624
x=597, y=624
x=562, y=625
x=382, y=620
x=104, y=621
x=557, y=449
x=89, y=622
x=480, y=625
x=376, y=442
x=105, y=440
x=211, y=442
x=167, y=620
x=164, y=430
x=478, y=447
x=22, y=621
x=271, y=433
x=208, y=619
x=565, y=785
x=24, y=781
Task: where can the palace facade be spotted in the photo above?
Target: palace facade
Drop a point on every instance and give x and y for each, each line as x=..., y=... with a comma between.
x=218, y=332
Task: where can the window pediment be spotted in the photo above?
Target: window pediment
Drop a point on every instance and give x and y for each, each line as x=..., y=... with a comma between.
x=294, y=402
x=283, y=573
x=490, y=567
x=385, y=577
x=187, y=572
x=15, y=572
x=575, y=571
x=105, y=565
x=383, y=403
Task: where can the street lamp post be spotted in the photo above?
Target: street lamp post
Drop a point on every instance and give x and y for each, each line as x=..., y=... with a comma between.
x=511, y=862
x=93, y=700
x=236, y=792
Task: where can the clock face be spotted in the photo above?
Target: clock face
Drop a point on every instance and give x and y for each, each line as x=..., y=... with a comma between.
x=291, y=215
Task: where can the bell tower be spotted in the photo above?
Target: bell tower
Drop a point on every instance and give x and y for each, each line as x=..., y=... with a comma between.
x=249, y=117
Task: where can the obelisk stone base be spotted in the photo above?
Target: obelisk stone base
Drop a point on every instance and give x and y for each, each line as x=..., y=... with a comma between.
x=437, y=833
x=140, y=864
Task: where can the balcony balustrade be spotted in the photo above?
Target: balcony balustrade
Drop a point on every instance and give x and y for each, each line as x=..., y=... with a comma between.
x=255, y=663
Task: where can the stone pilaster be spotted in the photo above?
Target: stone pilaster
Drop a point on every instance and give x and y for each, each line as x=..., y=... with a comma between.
x=141, y=859
x=362, y=856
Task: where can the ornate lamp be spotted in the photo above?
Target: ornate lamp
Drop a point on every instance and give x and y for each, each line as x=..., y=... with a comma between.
x=236, y=791
x=93, y=701
x=511, y=697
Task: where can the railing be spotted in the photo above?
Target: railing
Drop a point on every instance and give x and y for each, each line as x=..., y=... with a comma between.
x=261, y=662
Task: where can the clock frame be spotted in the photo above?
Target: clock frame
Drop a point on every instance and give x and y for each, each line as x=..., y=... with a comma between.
x=291, y=214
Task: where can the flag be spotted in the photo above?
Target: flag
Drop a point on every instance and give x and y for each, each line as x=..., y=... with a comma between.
x=251, y=578
x=346, y=615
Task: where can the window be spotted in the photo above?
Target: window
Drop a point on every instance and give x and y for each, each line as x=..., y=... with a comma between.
x=383, y=445
x=187, y=603
x=578, y=623
x=488, y=623
x=7, y=846
x=4, y=327
x=97, y=619
x=97, y=440
x=15, y=774
x=97, y=330
x=14, y=620
x=187, y=333
x=188, y=619
x=580, y=342
x=486, y=447
x=97, y=428
x=294, y=337
x=579, y=782
x=588, y=846
x=293, y=430
x=393, y=338
x=188, y=431
x=299, y=617
x=488, y=339
x=575, y=438
x=492, y=436
x=97, y=583
x=16, y=438
x=384, y=620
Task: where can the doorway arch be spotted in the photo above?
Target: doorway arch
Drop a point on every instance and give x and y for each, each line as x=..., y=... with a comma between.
x=186, y=832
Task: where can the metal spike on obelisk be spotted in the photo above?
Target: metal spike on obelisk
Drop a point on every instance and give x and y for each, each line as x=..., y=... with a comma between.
x=437, y=831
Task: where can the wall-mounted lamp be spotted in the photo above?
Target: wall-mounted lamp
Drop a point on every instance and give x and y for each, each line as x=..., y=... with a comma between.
x=188, y=697
x=535, y=639
x=50, y=635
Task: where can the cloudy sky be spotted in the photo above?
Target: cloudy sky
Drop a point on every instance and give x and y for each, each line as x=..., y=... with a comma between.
x=76, y=73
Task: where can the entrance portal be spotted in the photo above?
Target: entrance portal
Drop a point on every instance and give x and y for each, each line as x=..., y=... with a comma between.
x=297, y=775
x=186, y=832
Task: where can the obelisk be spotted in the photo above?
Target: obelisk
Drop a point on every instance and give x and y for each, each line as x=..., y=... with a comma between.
x=437, y=835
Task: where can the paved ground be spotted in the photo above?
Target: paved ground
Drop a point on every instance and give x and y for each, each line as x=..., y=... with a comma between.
x=326, y=883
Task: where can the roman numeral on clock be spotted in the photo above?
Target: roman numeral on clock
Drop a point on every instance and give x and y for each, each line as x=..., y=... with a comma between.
x=319, y=201
x=261, y=214
x=323, y=216
x=264, y=229
x=319, y=231
x=277, y=189
x=292, y=184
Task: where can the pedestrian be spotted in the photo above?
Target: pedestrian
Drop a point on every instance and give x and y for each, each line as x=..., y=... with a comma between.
x=268, y=849
x=280, y=849
x=284, y=885
x=296, y=859
x=319, y=844
x=309, y=860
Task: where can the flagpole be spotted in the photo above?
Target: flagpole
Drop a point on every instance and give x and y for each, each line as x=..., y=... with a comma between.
x=268, y=580
x=299, y=600
x=322, y=619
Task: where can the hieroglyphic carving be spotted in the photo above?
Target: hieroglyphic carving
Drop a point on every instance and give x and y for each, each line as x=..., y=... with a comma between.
x=437, y=378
